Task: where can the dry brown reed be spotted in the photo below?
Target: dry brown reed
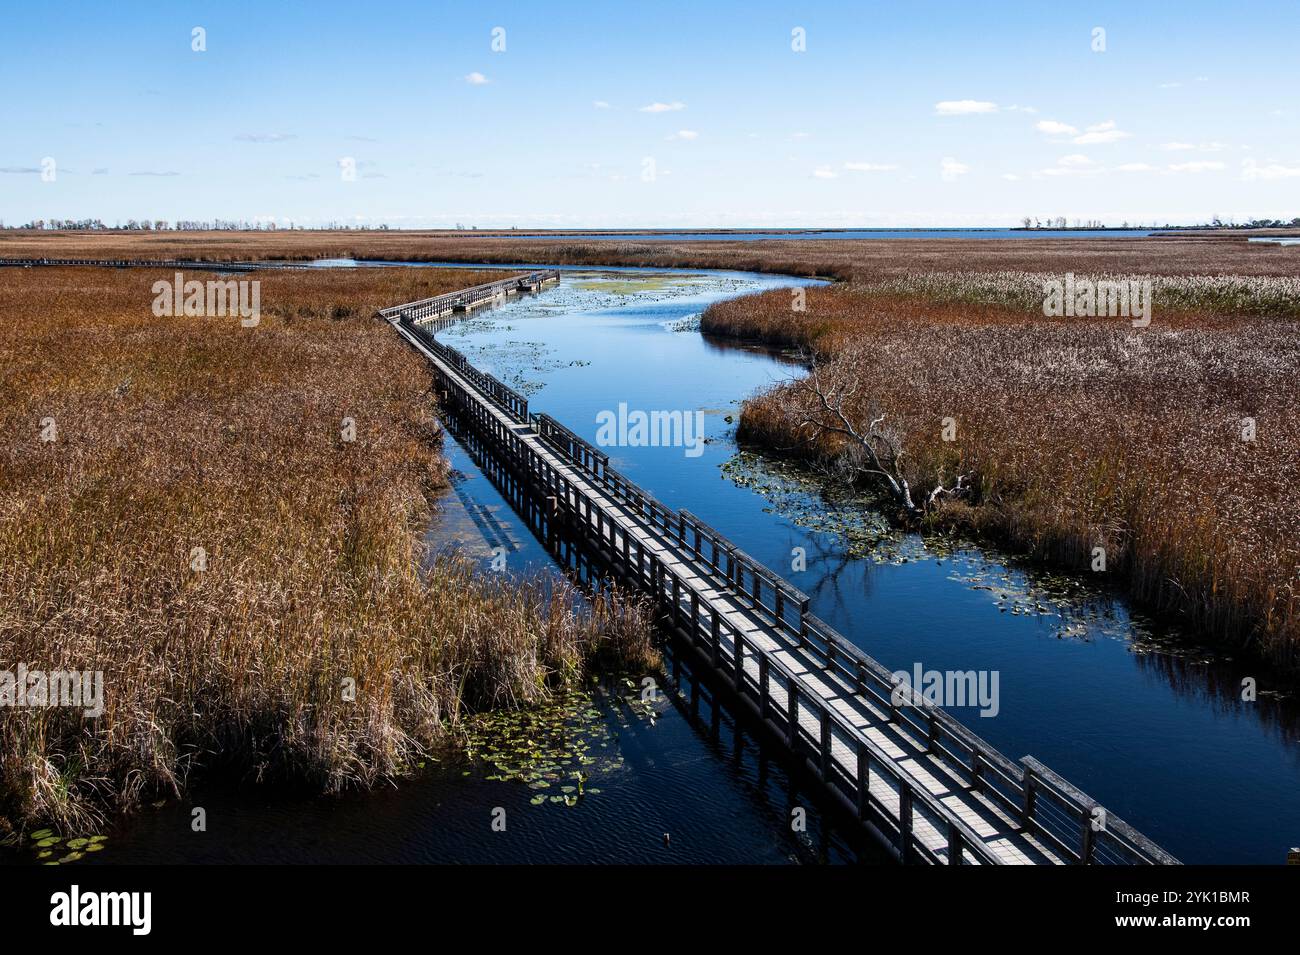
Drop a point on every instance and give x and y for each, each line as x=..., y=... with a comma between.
x=180, y=433
x=1077, y=433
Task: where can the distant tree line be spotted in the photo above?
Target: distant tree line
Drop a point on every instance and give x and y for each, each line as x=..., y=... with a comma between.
x=180, y=225
x=1060, y=222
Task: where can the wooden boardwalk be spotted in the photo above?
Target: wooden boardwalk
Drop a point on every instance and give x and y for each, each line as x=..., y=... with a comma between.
x=926, y=786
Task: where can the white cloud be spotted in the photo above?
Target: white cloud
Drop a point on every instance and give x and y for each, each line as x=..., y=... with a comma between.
x=869, y=167
x=1100, y=133
x=1200, y=166
x=1053, y=128
x=1020, y=109
x=1177, y=146
x=824, y=172
x=1135, y=167
x=663, y=107
x=1251, y=171
x=950, y=169
x=1075, y=159
x=600, y=104
x=1010, y=177
x=687, y=134
x=963, y=107
x=1170, y=86
x=476, y=79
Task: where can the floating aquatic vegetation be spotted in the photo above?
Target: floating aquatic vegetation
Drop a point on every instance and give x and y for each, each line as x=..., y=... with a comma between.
x=557, y=749
x=1079, y=608
x=46, y=844
x=799, y=496
x=691, y=323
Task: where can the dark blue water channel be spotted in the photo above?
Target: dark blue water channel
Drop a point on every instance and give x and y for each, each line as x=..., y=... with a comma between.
x=1105, y=696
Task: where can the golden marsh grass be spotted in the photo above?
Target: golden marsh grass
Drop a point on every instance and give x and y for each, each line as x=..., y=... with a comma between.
x=180, y=433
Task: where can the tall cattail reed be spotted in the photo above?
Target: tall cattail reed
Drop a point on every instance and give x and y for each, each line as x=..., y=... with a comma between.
x=176, y=434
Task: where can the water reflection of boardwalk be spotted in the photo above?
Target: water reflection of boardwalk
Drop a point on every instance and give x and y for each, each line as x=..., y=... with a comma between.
x=919, y=780
x=475, y=526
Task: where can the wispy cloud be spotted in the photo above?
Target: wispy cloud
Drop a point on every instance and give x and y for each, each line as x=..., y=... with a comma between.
x=600, y=104
x=476, y=79
x=153, y=172
x=19, y=170
x=950, y=169
x=663, y=107
x=963, y=107
x=1252, y=171
x=824, y=172
x=1100, y=133
x=686, y=134
x=1054, y=128
x=265, y=137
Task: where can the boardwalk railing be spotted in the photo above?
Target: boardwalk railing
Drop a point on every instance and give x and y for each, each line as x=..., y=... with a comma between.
x=1063, y=819
x=422, y=311
x=449, y=302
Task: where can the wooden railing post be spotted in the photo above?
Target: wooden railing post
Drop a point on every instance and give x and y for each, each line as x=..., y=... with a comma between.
x=826, y=741
x=904, y=821
x=1088, y=838
x=792, y=712
x=954, y=843
x=738, y=658
x=864, y=779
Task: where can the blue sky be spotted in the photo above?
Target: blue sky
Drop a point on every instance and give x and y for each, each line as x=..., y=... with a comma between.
x=907, y=113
